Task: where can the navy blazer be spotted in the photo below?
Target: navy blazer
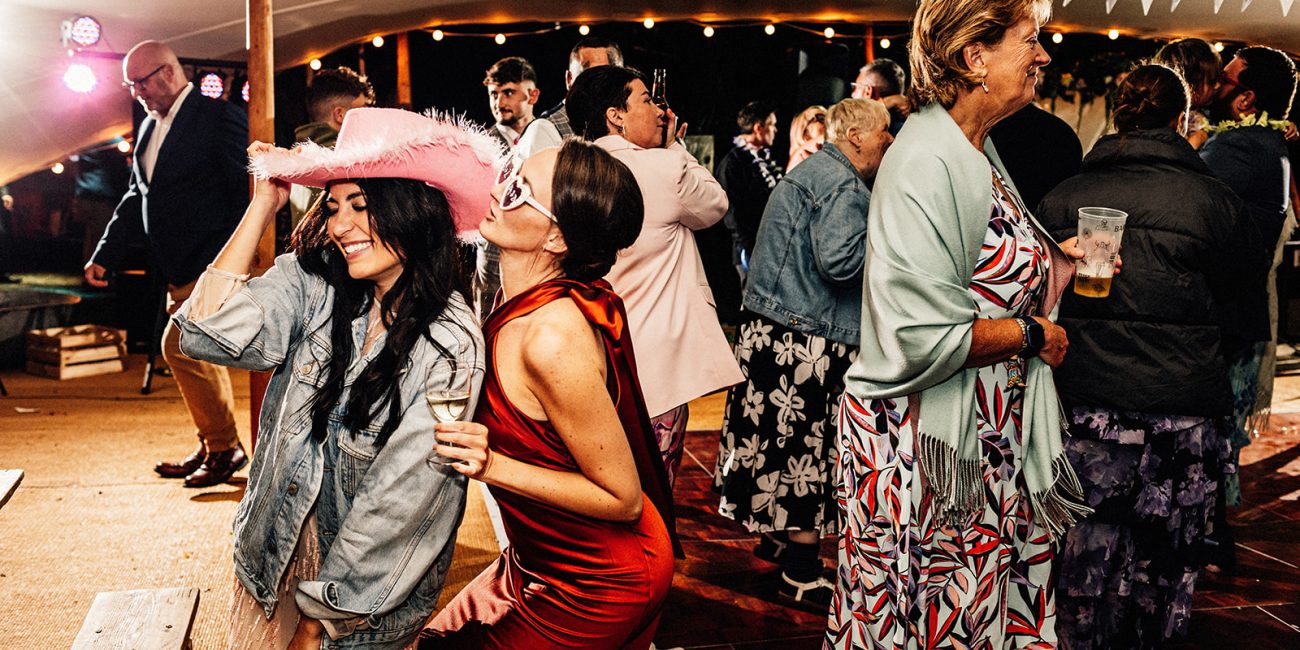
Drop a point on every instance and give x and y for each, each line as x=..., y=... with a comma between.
x=196, y=196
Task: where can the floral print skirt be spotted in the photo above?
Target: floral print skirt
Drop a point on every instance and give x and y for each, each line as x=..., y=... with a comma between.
x=776, y=456
x=1128, y=571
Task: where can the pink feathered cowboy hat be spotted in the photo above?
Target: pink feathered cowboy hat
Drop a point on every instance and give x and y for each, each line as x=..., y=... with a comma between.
x=450, y=154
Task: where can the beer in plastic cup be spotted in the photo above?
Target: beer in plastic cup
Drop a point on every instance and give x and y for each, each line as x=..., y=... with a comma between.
x=1100, y=230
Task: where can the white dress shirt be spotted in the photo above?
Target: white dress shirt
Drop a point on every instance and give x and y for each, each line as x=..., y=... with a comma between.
x=162, y=125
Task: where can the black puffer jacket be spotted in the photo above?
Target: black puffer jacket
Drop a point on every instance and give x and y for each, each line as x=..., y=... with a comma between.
x=1190, y=288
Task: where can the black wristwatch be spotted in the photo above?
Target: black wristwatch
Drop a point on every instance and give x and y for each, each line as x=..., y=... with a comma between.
x=1034, y=337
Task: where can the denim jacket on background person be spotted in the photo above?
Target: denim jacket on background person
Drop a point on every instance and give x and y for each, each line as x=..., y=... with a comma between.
x=808, y=259
x=386, y=520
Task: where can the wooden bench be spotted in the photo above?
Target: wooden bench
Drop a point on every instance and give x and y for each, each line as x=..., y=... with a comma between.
x=9, y=480
x=143, y=619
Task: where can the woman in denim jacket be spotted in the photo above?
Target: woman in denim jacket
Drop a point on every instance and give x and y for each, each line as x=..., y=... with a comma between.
x=796, y=340
x=347, y=529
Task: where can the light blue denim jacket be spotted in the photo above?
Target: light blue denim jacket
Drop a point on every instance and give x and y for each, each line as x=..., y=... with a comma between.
x=386, y=520
x=806, y=272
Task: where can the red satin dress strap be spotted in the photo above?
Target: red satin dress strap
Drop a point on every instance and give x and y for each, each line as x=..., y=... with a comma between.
x=567, y=580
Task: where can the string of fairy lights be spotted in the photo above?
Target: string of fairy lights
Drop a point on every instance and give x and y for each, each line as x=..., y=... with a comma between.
x=708, y=29
x=81, y=34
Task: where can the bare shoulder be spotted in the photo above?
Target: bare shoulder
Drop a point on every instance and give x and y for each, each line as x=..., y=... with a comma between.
x=557, y=338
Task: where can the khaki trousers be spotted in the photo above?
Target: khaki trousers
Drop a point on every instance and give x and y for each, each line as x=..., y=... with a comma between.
x=204, y=387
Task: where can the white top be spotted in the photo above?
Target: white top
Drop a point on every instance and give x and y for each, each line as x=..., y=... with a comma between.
x=510, y=135
x=541, y=134
x=162, y=125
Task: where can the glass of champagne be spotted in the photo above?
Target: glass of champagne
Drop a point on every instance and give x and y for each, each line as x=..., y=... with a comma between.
x=447, y=394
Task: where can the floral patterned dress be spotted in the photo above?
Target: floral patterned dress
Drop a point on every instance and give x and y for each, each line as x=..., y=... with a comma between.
x=904, y=583
x=1127, y=573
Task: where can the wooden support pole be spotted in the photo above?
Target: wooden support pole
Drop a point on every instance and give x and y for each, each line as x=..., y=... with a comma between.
x=261, y=126
x=261, y=100
x=869, y=42
x=403, y=71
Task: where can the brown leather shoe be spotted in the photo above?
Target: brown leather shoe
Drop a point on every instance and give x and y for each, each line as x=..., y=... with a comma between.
x=183, y=468
x=218, y=468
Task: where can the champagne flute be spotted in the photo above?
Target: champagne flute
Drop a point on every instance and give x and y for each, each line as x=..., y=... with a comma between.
x=447, y=394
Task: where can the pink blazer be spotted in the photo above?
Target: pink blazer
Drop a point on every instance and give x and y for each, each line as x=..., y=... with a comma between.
x=681, y=352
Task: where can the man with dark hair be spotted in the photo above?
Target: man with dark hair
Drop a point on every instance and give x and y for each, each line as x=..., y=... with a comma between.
x=1259, y=83
x=188, y=191
x=553, y=127
x=331, y=95
x=1252, y=160
x=512, y=92
x=885, y=80
x=748, y=174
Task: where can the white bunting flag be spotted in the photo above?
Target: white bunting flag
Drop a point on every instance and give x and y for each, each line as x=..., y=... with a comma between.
x=1065, y=3
x=1286, y=7
x=1217, y=5
x=1110, y=4
x=1174, y=5
x=1146, y=6
x=1245, y=4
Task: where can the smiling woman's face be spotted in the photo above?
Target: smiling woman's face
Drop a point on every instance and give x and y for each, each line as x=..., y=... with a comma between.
x=1013, y=64
x=349, y=227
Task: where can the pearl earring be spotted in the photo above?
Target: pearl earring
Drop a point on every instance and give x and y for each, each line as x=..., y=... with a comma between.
x=985, y=85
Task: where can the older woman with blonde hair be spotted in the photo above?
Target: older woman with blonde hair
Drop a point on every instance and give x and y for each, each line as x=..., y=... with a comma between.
x=798, y=335
x=807, y=135
x=951, y=479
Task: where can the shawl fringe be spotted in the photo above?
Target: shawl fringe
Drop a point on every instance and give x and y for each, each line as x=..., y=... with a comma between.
x=956, y=486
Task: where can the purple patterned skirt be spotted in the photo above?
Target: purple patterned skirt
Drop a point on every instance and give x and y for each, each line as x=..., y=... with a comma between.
x=1128, y=572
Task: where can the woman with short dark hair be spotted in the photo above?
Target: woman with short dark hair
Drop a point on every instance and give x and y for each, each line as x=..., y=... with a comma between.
x=683, y=353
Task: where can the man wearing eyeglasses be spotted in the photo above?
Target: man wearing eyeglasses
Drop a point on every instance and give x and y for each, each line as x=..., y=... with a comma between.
x=188, y=190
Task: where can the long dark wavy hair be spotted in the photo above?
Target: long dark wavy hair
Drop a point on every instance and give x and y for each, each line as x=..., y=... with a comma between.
x=414, y=220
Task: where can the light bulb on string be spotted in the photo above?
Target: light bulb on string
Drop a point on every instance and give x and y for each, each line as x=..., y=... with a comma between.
x=314, y=64
x=500, y=39
x=57, y=168
x=708, y=31
x=770, y=29
x=1113, y=34
x=377, y=41
x=584, y=30
x=885, y=43
x=124, y=146
x=649, y=23
x=1218, y=46
x=1058, y=37
x=437, y=34
x=829, y=32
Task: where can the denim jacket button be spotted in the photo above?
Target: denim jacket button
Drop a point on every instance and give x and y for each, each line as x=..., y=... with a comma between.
x=293, y=488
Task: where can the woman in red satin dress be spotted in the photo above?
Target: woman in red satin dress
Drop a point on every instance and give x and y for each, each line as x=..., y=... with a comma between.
x=561, y=435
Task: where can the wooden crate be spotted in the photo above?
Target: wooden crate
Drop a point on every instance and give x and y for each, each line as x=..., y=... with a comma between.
x=77, y=351
x=143, y=619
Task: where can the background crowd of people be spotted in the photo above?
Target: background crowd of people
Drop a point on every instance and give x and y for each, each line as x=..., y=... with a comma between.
x=998, y=460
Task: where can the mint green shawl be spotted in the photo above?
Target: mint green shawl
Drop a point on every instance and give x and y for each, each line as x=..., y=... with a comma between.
x=929, y=213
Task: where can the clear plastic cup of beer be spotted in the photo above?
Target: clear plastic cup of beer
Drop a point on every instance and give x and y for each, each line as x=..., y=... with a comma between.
x=1100, y=231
